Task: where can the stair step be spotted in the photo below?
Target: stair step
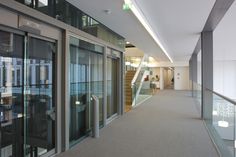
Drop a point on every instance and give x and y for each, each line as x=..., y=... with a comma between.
x=128, y=90
x=128, y=94
x=129, y=76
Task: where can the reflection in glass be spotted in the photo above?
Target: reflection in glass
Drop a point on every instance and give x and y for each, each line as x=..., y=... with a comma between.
x=27, y=120
x=11, y=86
x=68, y=13
x=86, y=79
x=39, y=101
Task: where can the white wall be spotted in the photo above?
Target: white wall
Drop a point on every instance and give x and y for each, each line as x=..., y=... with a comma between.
x=181, y=78
x=199, y=70
x=225, y=78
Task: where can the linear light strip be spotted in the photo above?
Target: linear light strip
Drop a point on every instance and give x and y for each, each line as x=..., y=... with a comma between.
x=143, y=21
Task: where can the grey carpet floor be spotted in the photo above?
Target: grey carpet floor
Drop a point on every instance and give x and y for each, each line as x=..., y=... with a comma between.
x=166, y=125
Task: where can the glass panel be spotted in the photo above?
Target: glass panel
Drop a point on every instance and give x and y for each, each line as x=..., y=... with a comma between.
x=79, y=93
x=68, y=13
x=198, y=85
x=144, y=86
x=219, y=115
x=112, y=87
x=86, y=78
x=11, y=97
x=39, y=99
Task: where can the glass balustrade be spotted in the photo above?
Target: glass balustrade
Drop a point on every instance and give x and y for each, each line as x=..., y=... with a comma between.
x=197, y=94
x=219, y=116
x=141, y=84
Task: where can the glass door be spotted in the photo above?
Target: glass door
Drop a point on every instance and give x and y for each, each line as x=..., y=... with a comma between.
x=112, y=88
x=79, y=94
x=86, y=79
x=27, y=117
x=39, y=136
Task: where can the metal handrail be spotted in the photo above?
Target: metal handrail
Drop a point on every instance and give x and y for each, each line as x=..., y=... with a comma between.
x=222, y=96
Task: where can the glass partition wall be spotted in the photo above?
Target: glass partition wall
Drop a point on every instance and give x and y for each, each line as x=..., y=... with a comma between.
x=86, y=79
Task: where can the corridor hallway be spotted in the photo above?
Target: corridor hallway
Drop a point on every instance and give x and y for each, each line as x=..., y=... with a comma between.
x=166, y=125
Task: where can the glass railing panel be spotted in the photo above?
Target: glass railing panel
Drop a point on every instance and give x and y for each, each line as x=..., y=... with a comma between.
x=134, y=91
x=197, y=95
x=141, y=83
x=141, y=89
x=145, y=92
x=219, y=115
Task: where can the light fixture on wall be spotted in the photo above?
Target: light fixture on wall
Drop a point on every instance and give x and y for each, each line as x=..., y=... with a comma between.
x=138, y=13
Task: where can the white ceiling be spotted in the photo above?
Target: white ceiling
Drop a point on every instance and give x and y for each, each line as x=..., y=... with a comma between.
x=178, y=23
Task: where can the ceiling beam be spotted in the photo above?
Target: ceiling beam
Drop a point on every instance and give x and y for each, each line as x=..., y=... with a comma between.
x=217, y=13
x=197, y=47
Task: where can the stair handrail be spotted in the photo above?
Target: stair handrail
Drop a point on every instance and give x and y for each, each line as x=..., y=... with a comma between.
x=138, y=70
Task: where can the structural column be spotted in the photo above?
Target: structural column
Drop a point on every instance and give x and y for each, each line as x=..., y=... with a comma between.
x=207, y=75
x=105, y=87
x=190, y=75
x=194, y=72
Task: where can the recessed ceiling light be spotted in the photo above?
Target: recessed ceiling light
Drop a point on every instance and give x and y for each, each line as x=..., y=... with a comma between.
x=107, y=11
x=127, y=42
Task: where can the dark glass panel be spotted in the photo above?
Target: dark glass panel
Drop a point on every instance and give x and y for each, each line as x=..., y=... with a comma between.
x=39, y=98
x=11, y=96
x=112, y=87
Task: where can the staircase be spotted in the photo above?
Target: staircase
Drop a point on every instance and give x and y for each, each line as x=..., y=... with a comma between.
x=128, y=90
